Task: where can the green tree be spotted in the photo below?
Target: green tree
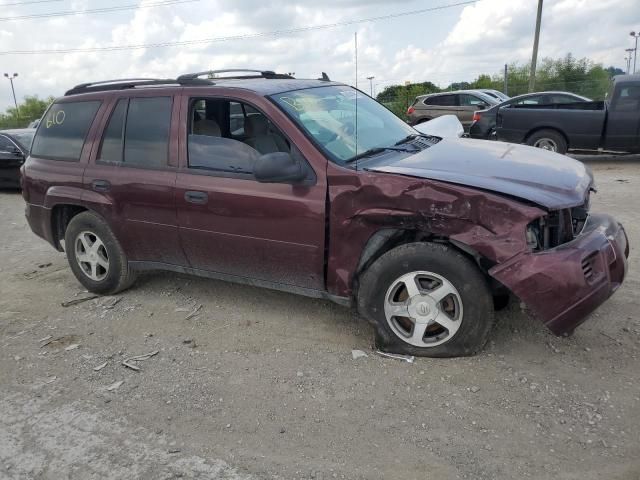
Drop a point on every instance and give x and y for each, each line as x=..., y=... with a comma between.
x=397, y=98
x=30, y=109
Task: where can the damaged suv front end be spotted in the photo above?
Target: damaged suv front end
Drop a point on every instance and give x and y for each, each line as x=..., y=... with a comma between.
x=567, y=260
x=576, y=260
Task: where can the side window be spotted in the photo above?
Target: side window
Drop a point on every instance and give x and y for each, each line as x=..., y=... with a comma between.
x=627, y=99
x=214, y=147
x=535, y=100
x=138, y=132
x=146, y=133
x=64, y=129
x=112, y=141
x=441, y=100
x=470, y=100
x=5, y=144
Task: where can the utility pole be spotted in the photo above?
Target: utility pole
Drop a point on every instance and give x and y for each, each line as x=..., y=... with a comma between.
x=534, y=57
x=371, y=84
x=635, y=50
x=628, y=59
x=407, y=84
x=505, y=79
x=13, y=91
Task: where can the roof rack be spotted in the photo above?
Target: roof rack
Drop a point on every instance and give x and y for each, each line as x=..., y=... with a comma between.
x=191, y=79
x=211, y=74
x=117, y=84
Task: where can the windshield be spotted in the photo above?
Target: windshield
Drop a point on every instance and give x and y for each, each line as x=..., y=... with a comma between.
x=328, y=115
x=24, y=139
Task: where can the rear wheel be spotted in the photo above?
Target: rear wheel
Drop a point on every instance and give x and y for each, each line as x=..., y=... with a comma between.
x=426, y=299
x=548, y=140
x=95, y=256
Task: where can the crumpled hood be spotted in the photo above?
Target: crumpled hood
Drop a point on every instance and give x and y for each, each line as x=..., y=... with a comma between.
x=548, y=179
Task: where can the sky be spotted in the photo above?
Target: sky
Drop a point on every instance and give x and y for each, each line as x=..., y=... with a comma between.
x=442, y=46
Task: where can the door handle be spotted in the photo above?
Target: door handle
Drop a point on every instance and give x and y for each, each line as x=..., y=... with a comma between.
x=101, y=185
x=199, y=198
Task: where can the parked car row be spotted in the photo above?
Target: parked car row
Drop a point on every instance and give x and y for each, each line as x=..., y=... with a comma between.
x=556, y=121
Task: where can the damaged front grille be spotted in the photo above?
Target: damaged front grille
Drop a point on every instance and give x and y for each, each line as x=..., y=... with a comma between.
x=557, y=227
x=587, y=267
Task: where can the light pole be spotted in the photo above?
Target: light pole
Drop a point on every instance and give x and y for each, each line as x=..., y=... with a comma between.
x=635, y=50
x=628, y=59
x=371, y=84
x=13, y=91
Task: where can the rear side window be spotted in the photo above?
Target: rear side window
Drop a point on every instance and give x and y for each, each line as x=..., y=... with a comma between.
x=444, y=100
x=64, y=129
x=138, y=132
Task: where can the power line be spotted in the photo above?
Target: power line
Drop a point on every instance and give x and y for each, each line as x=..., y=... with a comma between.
x=27, y=3
x=94, y=10
x=275, y=33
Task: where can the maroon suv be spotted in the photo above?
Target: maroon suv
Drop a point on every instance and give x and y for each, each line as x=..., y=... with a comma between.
x=312, y=187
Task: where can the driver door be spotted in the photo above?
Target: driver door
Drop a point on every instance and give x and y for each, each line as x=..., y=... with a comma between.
x=229, y=223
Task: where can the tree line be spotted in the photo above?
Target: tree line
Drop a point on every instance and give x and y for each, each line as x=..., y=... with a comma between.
x=30, y=109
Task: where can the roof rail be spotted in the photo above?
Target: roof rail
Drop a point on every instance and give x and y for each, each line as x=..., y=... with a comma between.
x=212, y=73
x=117, y=84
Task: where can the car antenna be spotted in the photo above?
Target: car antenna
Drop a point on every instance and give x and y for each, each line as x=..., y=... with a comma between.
x=356, y=48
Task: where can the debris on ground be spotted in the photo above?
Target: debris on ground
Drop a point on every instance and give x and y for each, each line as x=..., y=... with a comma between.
x=397, y=356
x=115, y=386
x=76, y=301
x=356, y=354
x=44, y=339
x=100, y=367
x=190, y=342
x=73, y=346
x=194, y=312
x=138, y=358
x=109, y=302
x=474, y=389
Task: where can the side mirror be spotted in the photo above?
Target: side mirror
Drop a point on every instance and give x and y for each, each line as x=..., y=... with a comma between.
x=279, y=167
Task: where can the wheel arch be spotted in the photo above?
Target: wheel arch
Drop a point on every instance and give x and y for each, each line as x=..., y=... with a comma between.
x=384, y=240
x=61, y=215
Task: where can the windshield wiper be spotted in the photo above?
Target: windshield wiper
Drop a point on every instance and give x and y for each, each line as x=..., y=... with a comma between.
x=375, y=151
x=408, y=138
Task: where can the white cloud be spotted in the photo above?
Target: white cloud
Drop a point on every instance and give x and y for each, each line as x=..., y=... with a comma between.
x=440, y=46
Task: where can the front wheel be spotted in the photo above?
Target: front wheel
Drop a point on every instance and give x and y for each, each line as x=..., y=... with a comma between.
x=426, y=299
x=548, y=140
x=95, y=255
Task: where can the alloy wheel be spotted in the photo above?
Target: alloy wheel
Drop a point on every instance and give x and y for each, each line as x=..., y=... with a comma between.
x=91, y=254
x=423, y=309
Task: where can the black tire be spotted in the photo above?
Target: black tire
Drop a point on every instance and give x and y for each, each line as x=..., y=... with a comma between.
x=119, y=275
x=449, y=263
x=552, y=136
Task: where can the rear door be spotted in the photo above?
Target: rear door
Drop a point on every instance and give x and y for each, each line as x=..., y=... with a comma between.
x=232, y=225
x=130, y=179
x=623, y=119
x=467, y=105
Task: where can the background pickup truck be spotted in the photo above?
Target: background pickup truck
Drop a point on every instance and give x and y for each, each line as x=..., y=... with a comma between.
x=613, y=124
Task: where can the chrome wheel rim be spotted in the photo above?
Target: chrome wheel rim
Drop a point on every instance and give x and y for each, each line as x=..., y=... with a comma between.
x=423, y=309
x=91, y=255
x=546, y=144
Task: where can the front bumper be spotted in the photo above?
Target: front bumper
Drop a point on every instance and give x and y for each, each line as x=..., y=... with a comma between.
x=565, y=284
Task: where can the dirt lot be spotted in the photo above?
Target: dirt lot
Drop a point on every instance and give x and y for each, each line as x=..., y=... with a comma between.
x=260, y=384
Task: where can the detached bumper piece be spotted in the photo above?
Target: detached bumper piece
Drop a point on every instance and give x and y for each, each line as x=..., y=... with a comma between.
x=565, y=284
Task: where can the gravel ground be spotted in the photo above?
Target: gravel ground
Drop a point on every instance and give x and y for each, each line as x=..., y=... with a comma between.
x=254, y=384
